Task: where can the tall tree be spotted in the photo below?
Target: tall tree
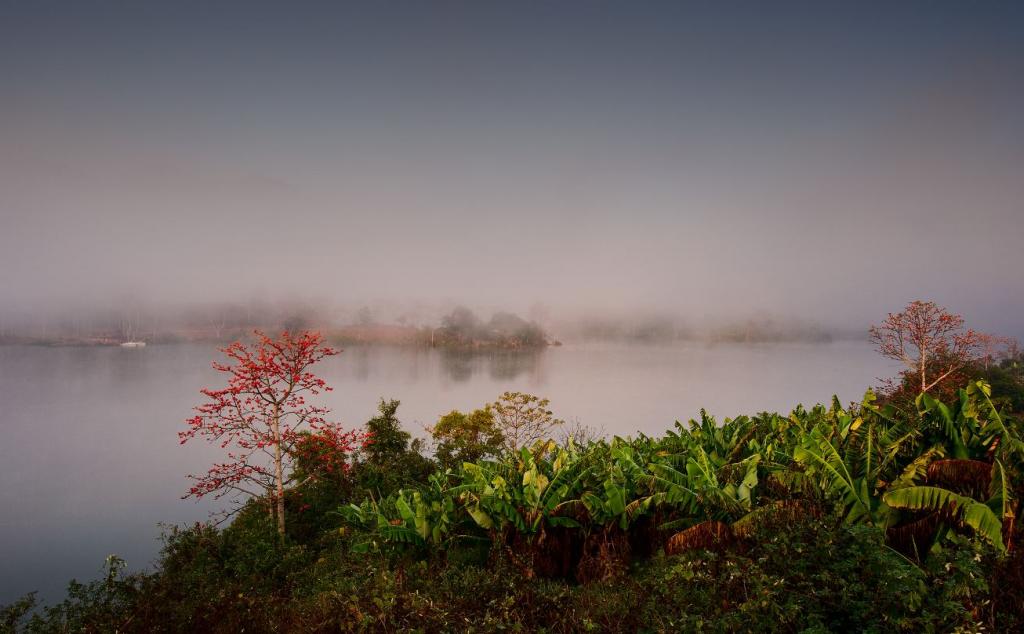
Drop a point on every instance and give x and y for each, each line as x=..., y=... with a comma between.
x=391, y=458
x=264, y=416
x=387, y=439
x=931, y=341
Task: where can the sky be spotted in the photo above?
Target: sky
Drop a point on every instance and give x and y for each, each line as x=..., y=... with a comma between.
x=824, y=161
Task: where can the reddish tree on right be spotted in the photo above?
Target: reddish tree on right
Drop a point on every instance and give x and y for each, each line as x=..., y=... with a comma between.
x=931, y=341
x=993, y=348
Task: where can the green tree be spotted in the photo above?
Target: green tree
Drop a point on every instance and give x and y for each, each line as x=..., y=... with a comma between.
x=388, y=440
x=391, y=458
x=461, y=437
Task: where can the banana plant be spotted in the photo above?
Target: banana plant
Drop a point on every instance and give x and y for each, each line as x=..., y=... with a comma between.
x=946, y=506
x=410, y=517
x=1005, y=436
x=615, y=495
x=527, y=494
x=970, y=489
x=845, y=476
x=918, y=475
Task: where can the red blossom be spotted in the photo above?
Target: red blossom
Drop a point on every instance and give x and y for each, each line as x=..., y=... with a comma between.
x=264, y=414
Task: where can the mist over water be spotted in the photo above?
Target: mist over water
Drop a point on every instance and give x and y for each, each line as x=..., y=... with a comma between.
x=700, y=161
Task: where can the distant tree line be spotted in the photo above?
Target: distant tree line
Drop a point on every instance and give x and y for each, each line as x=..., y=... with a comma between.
x=462, y=327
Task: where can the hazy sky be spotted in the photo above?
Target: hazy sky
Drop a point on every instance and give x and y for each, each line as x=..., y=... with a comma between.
x=829, y=161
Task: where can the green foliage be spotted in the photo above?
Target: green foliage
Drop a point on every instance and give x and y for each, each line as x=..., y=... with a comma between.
x=388, y=441
x=813, y=577
x=104, y=605
x=816, y=576
x=15, y=614
x=463, y=437
x=1007, y=380
x=961, y=509
x=391, y=460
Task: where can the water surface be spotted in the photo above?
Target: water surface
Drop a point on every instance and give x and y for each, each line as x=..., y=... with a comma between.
x=90, y=461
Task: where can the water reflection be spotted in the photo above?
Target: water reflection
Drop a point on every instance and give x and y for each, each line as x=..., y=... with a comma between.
x=508, y=366
x=502, y=365
x=359, y=357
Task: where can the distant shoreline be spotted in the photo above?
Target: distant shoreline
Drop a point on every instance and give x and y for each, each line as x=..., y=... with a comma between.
x=391, y=336
x=354, y=338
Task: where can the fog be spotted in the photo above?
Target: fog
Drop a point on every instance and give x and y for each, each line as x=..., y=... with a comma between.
x=574, y=160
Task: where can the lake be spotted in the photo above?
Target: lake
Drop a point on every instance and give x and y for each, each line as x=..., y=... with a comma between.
x=90, y=462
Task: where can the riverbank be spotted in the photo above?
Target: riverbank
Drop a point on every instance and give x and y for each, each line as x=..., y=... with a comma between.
x=743, y=524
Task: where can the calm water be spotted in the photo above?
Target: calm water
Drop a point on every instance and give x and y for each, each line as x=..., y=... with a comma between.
x=90, y=462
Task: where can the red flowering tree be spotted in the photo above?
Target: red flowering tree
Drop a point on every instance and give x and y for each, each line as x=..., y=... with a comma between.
x=929, y=340
x=264, y=418
x=995, y=348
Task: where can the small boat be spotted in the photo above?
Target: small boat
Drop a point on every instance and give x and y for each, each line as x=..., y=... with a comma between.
x=133, y=344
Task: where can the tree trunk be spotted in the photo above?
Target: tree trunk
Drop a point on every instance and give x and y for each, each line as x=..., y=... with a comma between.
x=924, y=386
x=278, y=473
